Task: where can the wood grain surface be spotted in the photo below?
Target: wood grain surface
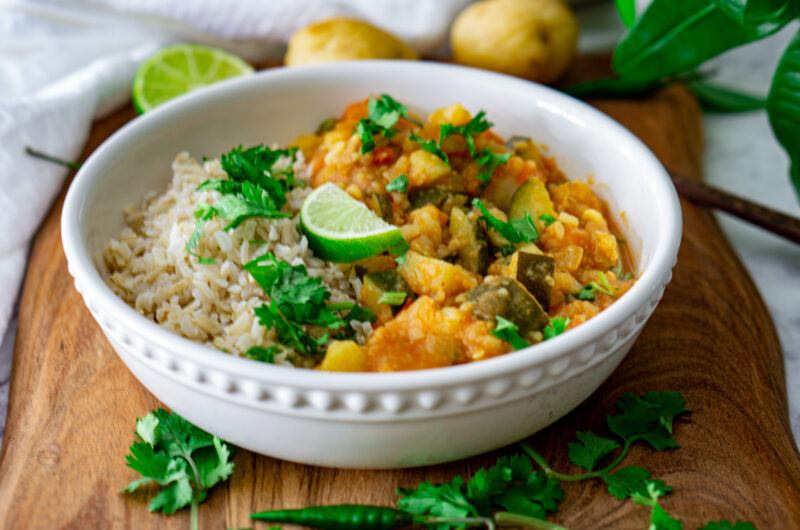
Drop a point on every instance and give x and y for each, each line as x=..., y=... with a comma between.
x=73, y=403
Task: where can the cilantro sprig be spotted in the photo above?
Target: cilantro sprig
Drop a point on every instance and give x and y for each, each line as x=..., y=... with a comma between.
x=589, y=291
x=556, y=327
x=383, y=114
x=254, y=188
x=399, y=183
x=520, y=230
x=298, y=299
x=184, y=460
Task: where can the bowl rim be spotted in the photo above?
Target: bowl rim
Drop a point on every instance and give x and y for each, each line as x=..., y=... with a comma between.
x=96, y=292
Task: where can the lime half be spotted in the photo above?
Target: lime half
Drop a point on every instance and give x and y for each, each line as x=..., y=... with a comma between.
x=179, y=69
x=340, y=228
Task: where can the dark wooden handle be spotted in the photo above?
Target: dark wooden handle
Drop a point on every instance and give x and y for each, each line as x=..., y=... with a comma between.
x=768, y=219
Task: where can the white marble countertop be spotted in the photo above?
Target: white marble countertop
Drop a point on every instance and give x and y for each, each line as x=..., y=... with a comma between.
x=742, y=157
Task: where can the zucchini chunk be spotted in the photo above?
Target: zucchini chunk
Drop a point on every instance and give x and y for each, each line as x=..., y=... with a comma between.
x=535, y=273
x=473, y=249
x=437, y=196
x=376, y=284
x=436, y=278
x=500, y=296
x=382, y=206
x=533, y=198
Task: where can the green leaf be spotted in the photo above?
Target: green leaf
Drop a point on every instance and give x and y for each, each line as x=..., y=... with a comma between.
x=489, y=162
x=628, y=481
x=147, y=429
x=213, y=463
x=726, y=525
x=509, y=332
x=627, y=11
x=253, y=201
x=255, y=166
x=289, y=333
x=399, y=183
x=431, y=146
x=661, y=520
x=265, y=355
x=475, y=126
x=326, y=125
x=675, y=37
x=783, y=106
x=516, y=231
x=385, y=111
x=557, y=326
x=535, y=497
x=446, y=500
x=720, y=99
x=172, y=498
x=486, y=484
x=648, y=417
x=766, y=13
x=588, y=449
x=547, y=219
x=203, y=213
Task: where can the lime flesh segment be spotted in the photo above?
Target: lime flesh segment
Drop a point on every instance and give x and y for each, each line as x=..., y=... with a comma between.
x=340, y=228
x=179, y=69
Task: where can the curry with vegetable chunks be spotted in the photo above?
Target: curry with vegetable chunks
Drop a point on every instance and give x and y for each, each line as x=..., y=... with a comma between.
x=504, y=250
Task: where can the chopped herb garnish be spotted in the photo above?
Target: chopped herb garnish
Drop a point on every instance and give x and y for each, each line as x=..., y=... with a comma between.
x=620, y=273
x=557, y=326
x=384, y=113
x=547, y=219
x=266, y=355
x=399, y=183
x=520, y=230
x=507, y=250
x=589, y=292
x=204, y=261
x=367, y=131
x=393, y=298
x=489, y=162
x=509, y=332
x=256, y=242
x=289, y=333
x=400, y=259
x=431, y=146
x=252, y=201
x=475, y=126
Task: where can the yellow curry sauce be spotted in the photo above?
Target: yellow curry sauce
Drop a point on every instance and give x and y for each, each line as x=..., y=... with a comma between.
x=449, y=321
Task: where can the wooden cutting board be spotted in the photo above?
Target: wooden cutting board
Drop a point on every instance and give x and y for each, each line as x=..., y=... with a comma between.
x=73, y=403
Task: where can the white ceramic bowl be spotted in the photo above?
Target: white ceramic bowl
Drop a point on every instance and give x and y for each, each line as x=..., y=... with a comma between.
x=371, y=420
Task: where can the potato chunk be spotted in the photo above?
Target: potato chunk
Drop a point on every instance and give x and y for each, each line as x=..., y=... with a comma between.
x=435, y=278
x=345, y=356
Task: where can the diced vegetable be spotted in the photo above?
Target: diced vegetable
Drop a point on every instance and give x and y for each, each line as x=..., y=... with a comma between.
x=376, y=285
x=535, y=273
x=434, y=277
x=381, y=205
x=509, y=299
x=381, y=262
x=532, y=198
x=345, y=356
x=473, y=249
x=437, y=196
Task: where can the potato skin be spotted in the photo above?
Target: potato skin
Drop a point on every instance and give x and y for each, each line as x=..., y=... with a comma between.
x=343, y=39
x=534, y=39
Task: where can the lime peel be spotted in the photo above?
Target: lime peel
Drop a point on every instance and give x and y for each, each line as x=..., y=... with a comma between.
x=342, y=229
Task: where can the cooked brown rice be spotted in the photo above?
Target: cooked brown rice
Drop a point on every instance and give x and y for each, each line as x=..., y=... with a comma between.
x=149, y=268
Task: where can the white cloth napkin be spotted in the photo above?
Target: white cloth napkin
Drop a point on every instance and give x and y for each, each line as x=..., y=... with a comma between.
x=64, y=63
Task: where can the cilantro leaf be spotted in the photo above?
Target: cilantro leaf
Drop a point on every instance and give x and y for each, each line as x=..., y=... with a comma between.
x=627, y=481
x=587, y=293
x=727, y=525
x=367, y=131
x=535, y=497
x=588, y=449
x=265, y=355
x=431, y=146
x=508, y=331
x=446, y=500
x=547, y=219
x=326, y=125
x=399, y=183
x=385, y=111
x=182, y=458
x=557, y=326
x=256, y=166
x=489, y=162
x=486, y=484
x=516, y=231
x=288, y=332
x=205, y=212
x=251, y=201
x=661, y=520
x=648, y=417
x=475, y=126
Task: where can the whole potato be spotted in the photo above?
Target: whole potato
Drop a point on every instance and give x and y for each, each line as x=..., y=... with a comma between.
x=343, y=39
x=534, y=39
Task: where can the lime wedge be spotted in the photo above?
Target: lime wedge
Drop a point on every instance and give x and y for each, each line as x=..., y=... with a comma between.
x=179, y=69
x=340, y=228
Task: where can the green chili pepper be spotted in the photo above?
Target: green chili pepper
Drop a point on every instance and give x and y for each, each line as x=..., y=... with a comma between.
x=341, y=517
x=361, y=517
